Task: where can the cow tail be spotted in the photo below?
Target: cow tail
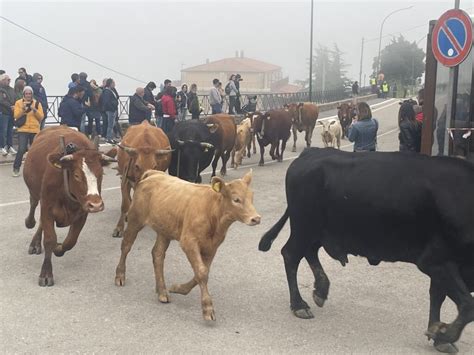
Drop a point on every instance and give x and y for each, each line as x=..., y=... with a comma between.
x=268, y=238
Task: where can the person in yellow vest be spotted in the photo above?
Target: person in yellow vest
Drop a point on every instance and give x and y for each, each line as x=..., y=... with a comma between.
x=27, y=115
x=373, y=85
x=385, y=89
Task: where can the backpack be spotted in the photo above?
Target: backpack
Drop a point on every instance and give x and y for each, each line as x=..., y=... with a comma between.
x=227, y=89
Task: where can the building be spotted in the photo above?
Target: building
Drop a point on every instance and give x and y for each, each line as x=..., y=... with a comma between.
x=257, y=76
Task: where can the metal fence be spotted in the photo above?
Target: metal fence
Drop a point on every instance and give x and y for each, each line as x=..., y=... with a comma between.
x=265, y=102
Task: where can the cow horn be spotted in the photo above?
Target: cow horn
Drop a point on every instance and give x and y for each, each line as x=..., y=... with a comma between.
x=163, y=151
x=180, y=142
x=126, y=149
x=206, y=145
x=67, y=157
x=107, y=158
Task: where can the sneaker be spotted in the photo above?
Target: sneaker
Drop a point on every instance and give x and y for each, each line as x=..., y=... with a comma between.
x=110, y=141
x=4, y=151
x=16, y=173
x=12, y=151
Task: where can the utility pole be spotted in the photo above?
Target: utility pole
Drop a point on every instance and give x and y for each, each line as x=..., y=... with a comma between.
x=361, y=60
x=311, y=56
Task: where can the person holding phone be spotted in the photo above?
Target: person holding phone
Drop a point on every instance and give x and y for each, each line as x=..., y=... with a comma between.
x=28, y=114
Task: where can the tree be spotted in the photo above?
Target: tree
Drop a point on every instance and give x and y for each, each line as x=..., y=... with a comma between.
x=328, y=69
x=401, y=61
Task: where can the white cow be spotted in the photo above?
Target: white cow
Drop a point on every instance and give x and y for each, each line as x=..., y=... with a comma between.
x=332, y=133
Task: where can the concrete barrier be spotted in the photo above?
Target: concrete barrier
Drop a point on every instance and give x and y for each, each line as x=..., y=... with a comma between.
x=333, y=105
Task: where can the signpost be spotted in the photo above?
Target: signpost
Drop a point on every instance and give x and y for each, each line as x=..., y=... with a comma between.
x=452, y=38
x=451, y=43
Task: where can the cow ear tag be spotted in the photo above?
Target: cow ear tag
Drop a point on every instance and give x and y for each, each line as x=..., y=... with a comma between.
x=216, y=186
x=57, y=165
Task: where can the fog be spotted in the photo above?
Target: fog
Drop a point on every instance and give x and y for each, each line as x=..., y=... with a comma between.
x=154, y=40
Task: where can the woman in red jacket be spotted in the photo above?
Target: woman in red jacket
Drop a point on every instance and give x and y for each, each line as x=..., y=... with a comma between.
x=169, y=110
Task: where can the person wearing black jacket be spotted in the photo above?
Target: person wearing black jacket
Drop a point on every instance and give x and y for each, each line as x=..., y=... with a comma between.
x=71, y=109
x=110, y=100
x=149, y=97
x=139, y=109
x=410, y=129
x=193, y=103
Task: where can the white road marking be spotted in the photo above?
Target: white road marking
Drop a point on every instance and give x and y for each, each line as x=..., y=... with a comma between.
x=92, y=188
x=14, y=203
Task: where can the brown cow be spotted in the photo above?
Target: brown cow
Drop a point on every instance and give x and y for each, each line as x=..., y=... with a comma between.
x=271, y=128
x=303, y=116
x=243, y=141
x=197, y=216
x=345, y=113
x=67, y=185
x=143, y=147
x=225, y=139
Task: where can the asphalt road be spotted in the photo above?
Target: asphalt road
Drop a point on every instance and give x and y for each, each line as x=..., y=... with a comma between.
x=381, y=309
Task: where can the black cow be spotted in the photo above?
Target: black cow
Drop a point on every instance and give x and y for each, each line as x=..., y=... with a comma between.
x=193, y=144
x=395, y=207
x=271, y=128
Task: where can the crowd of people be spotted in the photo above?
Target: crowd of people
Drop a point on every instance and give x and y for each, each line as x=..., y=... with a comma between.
x=93, y=109
x=24, y=106
x=363, y=130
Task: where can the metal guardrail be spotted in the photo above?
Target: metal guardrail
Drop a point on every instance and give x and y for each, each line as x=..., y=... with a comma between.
x=265, y=102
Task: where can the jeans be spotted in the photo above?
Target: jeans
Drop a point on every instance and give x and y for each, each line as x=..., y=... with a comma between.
x=232, y=101
x=216, y=108
x=182, y=114
x=6, y=127
x=24, y=139
x=82, y=126
x=168, y=124
x=93, y=117
x=159, y=121
x=111, y=115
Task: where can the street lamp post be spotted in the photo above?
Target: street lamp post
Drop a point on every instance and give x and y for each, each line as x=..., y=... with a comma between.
x=380, y=36
x=311, y=56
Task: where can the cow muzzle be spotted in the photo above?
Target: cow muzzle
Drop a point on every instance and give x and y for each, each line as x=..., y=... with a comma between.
x=254, y=220
x=94, y=205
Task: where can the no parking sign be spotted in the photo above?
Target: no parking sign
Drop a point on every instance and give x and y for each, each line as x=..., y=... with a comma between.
x=452, y=38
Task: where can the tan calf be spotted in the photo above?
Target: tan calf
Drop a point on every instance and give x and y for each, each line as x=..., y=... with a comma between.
x=197, y=216
x=242, y=142
x=331, y=133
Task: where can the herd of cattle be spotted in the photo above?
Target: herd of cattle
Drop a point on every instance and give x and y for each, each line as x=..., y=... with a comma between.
x=424, y=220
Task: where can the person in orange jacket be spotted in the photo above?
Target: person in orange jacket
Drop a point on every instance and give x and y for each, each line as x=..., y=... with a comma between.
x=31, y=112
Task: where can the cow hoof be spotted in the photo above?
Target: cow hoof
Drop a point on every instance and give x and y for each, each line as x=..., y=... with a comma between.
x=58, y=250
x=280, y=160
x=260, y=163
x=254, y=152
x=34, y=249
x=120, y=280
x=30, y=223
x=318, y=300
x=303, y=313
x=164, y=298
x=447, y=348
x=209, y=316
x=293, y=149
x=223, y=172
x=46, y=281
x=117, y=233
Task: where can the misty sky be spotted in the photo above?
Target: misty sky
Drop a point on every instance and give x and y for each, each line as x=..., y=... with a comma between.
x=153, y=40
